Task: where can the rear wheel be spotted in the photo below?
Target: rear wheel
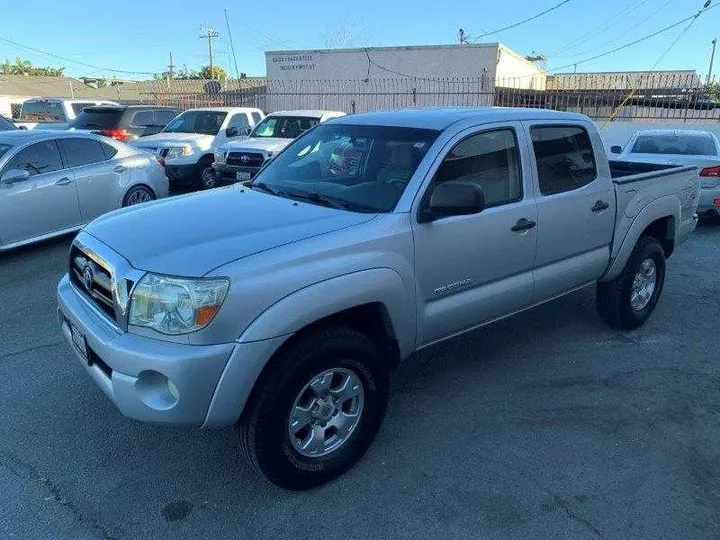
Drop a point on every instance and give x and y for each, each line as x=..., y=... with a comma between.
x=138, y=195
x=628, y=300
x=317, y=410
x=206, y=176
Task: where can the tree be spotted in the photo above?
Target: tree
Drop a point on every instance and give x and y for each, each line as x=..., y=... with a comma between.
x=218, y=73
x=22, y=66
x=713, y=91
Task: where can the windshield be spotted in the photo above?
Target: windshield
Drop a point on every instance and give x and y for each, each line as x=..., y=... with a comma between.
x=42, y=111
x=5, y=124
x=361, y=168
x=686, y=145
x=284, y=127
x=97, y=118
x=4, y=149
x=205, y=122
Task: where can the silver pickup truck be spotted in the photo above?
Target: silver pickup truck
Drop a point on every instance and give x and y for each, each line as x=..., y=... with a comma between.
x=281, y=306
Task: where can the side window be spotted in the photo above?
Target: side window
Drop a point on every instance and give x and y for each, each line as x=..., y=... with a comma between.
x=564, y=157
x=143, y=119
x=491, y=160
x=39, y=158
x=163, y=118
x=257, y=117
x=81, y=152
x=108, y=151
x=239, y=121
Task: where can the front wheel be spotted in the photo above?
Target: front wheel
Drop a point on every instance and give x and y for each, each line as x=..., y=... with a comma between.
x=206, y=176
x=317, y=410
x=628, y=300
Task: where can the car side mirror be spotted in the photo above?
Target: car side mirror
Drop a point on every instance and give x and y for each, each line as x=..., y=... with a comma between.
x=616, y=149
x=453, y=198
x=13, y=176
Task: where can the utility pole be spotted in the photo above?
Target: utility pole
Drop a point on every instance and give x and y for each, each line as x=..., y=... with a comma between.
x=171, y=68
x=209, y=34
x=712, y=59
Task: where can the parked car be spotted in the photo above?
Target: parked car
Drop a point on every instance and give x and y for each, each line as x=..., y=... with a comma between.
x=124, y=123
x=6, y=125
x=239, y=161
x=187, y=144
x=283, y=306
x=52, y=183
x=680, y=147
x=52, y=113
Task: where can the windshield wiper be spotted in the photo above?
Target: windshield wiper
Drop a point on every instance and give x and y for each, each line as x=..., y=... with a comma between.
x=262, y=186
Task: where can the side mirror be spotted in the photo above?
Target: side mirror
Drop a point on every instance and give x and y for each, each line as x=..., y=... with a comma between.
x=616, y=149
x=453, y=198
x=13, y=176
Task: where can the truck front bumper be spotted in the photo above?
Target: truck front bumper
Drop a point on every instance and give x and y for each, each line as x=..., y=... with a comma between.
x=158, y=381
x=229, y=174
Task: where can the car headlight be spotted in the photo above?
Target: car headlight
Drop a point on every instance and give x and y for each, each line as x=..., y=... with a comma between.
x=220, y=157
x=174, y=305
x=179, y=151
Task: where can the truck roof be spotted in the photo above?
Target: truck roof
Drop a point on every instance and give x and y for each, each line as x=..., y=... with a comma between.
x=442, y=117
x=310, y=113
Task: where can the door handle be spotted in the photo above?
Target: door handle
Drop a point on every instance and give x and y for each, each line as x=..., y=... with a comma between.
x=120, y=169
x=600, y=206
x=63, y=182
x=523, y=225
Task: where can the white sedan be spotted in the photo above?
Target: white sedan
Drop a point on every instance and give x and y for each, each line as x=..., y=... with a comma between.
x=680, y=147
x=54, y=182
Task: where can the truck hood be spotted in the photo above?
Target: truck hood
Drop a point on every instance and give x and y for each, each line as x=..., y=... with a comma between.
x=163, y=140
x=193, y=234
x=268, y=144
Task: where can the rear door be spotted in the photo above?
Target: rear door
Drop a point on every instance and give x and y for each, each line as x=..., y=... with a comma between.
x=575, y=204
x=44, y=203
x=97, y=177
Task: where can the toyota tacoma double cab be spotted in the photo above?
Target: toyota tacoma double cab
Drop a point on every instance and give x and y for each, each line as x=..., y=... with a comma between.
x=368, y=238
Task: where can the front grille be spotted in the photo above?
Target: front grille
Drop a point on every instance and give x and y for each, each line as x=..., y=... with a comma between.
x=93, y=280
x=245, y=159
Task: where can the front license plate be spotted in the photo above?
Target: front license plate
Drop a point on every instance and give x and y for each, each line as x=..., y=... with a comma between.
x=78, y=340
x=243, y=176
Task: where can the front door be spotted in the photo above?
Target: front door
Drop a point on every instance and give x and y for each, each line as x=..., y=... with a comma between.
x=576, y=208
x=44, y=203
x=472, y=269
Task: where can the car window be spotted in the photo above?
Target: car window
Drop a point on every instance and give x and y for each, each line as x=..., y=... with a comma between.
x=163, y=118
x=6, y=125
x=81, y=152
x=284, y=127
x=38, y=158
x=108, y=151
x=240, y=120
x=143, y=119
x=564, y=157
x=680, y=144
x=205, y=122
x=257, y=117
x=78, y=107
x=42, y=111
x=4, y=148
x=98, y=118
x=491, y=160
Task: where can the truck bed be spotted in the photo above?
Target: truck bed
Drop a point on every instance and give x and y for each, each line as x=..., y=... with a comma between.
x=621, y=169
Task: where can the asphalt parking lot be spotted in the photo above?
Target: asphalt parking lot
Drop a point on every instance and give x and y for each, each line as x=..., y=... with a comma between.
x=547, y=425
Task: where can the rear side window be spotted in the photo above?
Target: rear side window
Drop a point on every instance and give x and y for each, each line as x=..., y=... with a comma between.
x=108, y=151
x=257, y=117
x=97, y=118
x=38, y=158
x=564, y=156
x=42, y=111
x=81, y=152
x=143, y=119
x=239, y=121
x=163, y=118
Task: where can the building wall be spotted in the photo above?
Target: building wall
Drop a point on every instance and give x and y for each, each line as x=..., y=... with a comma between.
x=513, y=71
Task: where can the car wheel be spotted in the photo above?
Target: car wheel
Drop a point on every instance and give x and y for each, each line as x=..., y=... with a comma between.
x=206, y=175
x=138, y=195
x=316, y=410
x=628, y=300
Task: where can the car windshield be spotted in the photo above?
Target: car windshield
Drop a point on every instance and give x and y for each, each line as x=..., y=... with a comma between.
x=205, y=122
x=6, y=125
x=97, y=118
x=357, y=168
x=42, y=111
x=284, y=127
x=686, y=145
x=4, y=149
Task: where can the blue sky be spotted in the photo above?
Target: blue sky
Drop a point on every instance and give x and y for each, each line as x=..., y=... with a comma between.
x=138, y=35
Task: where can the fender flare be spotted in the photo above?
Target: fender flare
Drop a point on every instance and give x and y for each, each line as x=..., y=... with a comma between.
x=668, y=206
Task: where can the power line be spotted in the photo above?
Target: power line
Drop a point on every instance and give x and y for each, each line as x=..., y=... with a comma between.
x=262, y=35
x=232, y=46
x=78, y=62
x=514, y=25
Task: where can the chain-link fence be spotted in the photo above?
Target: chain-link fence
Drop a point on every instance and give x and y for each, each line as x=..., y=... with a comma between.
x=670, y=97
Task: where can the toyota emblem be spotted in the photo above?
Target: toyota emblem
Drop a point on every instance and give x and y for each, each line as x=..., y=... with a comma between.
x=88, y=277
x=244, y=159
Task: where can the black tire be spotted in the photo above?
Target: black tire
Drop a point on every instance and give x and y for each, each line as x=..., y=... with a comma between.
x=138, y=192
x=614, y=297
x=263, y=427
x=205, y=178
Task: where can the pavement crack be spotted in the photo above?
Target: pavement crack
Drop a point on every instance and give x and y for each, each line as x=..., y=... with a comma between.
x=30, y=349
x=27, y=471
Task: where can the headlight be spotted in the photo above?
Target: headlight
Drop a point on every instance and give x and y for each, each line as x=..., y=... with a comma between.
x=179, y=151
x=176, y=306
x=220, y=157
